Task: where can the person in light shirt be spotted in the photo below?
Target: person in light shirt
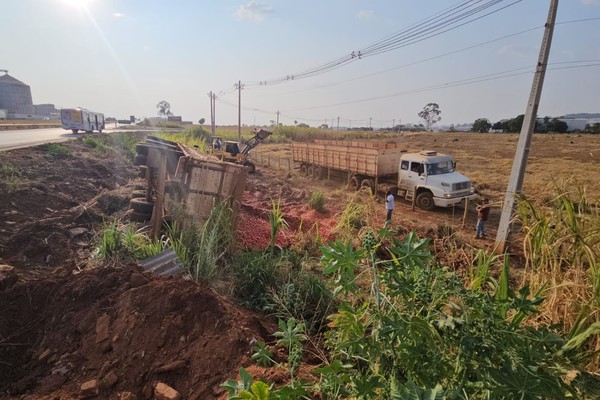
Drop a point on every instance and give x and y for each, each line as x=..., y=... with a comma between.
x=389, y=206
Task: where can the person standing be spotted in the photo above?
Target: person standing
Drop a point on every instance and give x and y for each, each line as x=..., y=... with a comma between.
x=389, y=206
x=483, y=211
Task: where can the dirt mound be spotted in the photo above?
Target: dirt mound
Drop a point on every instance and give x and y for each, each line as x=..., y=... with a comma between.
x=125, y=329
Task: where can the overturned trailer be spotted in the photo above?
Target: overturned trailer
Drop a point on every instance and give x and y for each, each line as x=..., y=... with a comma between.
x=184, y=184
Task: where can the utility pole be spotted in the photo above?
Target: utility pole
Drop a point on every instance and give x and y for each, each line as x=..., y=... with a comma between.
x=212, y=96
x=277, y=125
x=239, y=87
x=515, y=183
x=370, y=118
x=338, y=128
x=393, y=125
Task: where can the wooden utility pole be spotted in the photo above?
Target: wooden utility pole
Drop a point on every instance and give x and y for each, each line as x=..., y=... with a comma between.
x=277, y=123
x=239, y=88
x=515, y=183
x=212, y=97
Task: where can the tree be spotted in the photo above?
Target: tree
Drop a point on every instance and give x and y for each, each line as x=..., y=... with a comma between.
x=163, y=108
x=201, y=121
x=515, y=124
x=481, y=125
x=556, y=125
x=430, y=115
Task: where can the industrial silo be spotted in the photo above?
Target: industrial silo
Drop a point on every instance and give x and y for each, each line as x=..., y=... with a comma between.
x=15, y=97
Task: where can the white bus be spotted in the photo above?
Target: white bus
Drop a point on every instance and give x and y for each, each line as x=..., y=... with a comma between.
x=80, y=119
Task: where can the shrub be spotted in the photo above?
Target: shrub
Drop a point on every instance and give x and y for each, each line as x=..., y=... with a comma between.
x=317, y=201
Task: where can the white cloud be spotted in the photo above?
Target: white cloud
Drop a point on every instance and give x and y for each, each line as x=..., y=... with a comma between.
x=118, y=15
x=254, y=11
x=590, y=2
x=366, y=15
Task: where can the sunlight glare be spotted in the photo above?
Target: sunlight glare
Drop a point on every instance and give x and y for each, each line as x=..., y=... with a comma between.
x=77, y=3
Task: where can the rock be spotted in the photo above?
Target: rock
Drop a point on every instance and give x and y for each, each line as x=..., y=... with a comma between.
x=45, y=354
x=172, y=366
x=102, y=328
x=89, y=389
x=74, y=232
x=165, y=392
x=127, y=396
x=109, y=380
x=138, y=280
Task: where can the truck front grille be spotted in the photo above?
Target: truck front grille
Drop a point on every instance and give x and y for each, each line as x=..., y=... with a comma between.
x=461, y=186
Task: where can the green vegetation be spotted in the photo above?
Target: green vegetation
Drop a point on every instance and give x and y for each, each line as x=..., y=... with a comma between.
x=317, y=201
x=123, y=243
x=432, y=337
x=56, y=150
x=202, y=250
x=11, y=176
x=195, y=136
x=276, y=221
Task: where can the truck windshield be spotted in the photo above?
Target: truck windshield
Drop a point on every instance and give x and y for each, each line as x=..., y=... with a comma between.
x=439, y=168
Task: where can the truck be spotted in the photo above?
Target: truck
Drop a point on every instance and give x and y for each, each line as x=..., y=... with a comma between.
x=80, y=119
x=427, y=177
x=236, y=152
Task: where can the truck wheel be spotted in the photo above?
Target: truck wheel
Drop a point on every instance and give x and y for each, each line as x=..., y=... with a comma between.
x=425, y=201
x=304, y=169
x=354, y=184
x=139, y=217
x=317, y=172
x=367, y=184
x=140, y=205
x=310, y=171
x=142, y=171
x=138, y=194
x=140, y=160
x=75, y=131
x=141, y=149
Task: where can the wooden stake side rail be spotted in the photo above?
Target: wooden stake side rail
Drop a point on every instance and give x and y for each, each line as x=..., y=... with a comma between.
x=374, y=159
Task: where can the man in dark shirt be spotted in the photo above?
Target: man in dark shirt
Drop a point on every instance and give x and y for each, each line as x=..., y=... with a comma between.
x=483, y=211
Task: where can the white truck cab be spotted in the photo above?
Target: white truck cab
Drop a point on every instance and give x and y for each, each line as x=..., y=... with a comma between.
x=431, y=178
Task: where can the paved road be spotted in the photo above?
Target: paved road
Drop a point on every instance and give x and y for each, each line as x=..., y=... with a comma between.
x=20, y=138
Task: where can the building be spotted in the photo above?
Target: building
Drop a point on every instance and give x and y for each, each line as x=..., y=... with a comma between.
x=15, y=97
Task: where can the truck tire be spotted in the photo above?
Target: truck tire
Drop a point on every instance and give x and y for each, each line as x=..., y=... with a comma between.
x=75, y=131
x=138, y=194
x=140, y=160
x=317, y=172
x=142, y=171
x=140, y=205
x=425, y=201
x=310, y=171
x=304, y=169
x=367, y=184
x=141, y=149
x=139, y=217
x=354, y=183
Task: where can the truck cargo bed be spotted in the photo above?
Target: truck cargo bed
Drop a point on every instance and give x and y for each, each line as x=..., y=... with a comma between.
x=369, y=158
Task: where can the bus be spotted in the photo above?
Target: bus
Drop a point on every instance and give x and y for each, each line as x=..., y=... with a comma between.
x=80, y=119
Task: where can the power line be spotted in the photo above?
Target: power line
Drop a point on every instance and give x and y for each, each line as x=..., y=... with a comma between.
x=442, y=22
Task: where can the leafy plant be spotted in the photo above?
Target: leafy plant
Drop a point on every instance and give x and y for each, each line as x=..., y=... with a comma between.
x=317, y=201
x=12, y=177
x=291, y=335
x=262, y=355
x=125, y=243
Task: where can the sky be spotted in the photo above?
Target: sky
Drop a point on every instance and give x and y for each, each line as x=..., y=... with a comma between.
x=122, y=57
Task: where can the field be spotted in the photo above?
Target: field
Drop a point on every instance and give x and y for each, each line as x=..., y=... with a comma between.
x=92, y=318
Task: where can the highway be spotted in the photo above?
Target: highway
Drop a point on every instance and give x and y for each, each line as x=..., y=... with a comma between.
x=19, y=138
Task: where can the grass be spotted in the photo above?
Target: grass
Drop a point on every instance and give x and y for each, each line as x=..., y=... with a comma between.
x=56, y=150
x=12, y=177
x=317, y=201
x=561, y=245
x=119, y=242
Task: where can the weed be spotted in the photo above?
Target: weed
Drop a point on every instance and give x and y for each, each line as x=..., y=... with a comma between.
x=125, y=243
x=56, y=150
x=317, y=201
x=276, y=220
x=12, y=177
x=201, y=249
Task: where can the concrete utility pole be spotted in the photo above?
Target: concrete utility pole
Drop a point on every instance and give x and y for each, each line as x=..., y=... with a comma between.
x=338, y=128
x=212, y=97
x=239, y=87
x=515, y=183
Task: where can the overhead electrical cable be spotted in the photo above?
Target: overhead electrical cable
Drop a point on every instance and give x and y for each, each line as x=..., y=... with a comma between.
x=464, y=13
